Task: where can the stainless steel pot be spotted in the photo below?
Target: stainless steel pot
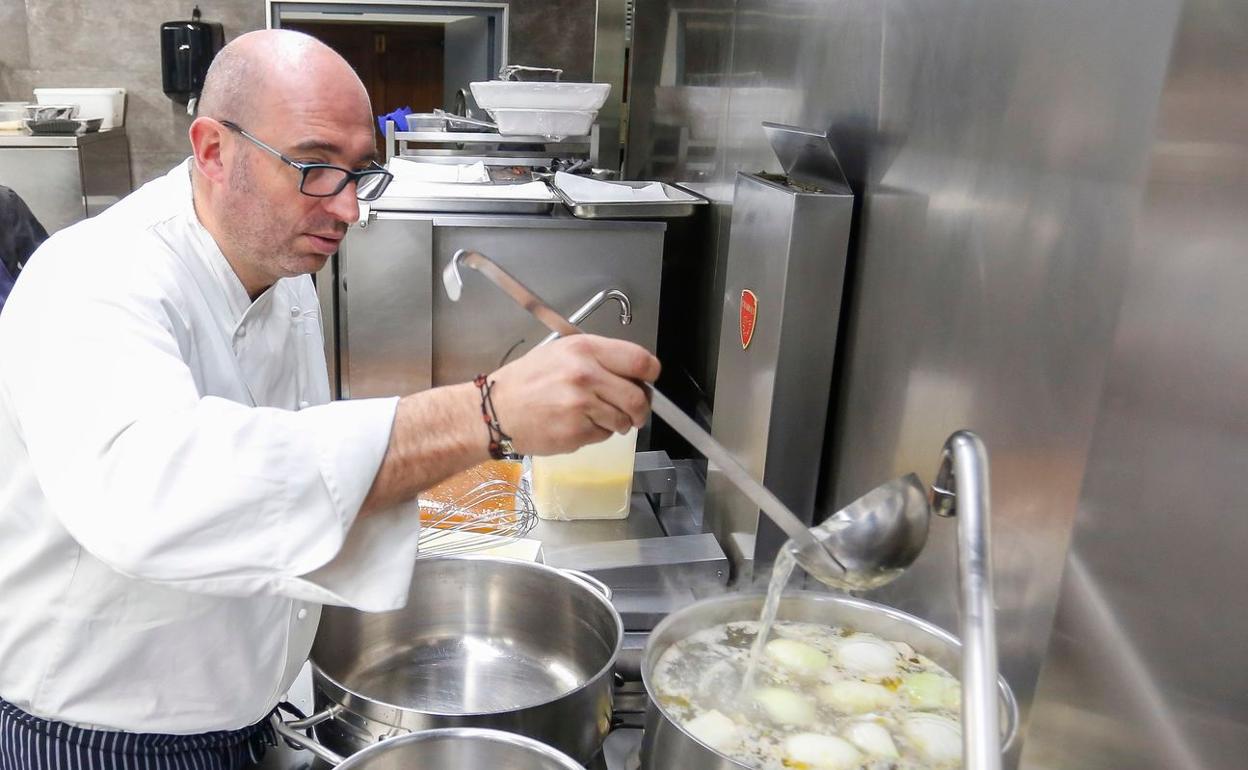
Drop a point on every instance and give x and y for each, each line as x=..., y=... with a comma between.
x=454, y=747
x=482, y=642
x=668, y=745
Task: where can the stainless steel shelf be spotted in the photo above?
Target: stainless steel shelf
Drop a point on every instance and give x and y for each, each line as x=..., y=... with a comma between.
x=458, y=137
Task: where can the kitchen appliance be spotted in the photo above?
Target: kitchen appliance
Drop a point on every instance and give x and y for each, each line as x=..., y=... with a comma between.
x=482, y=642
x=668, y=745
x=783, y=286
x=187, y=49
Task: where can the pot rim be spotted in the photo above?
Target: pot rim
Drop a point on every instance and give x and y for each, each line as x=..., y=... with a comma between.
x=1005, y=692
x=500, y=736
x=606, y=670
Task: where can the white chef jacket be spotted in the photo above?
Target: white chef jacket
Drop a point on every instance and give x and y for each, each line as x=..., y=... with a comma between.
x=177, y=496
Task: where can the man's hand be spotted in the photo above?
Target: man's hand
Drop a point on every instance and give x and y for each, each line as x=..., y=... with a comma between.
x=555, y=399
x=572, y=392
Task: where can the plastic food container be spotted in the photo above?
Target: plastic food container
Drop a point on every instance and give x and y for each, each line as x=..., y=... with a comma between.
x=109, y=104
x=550, y=123
x=511, y=95
x=11, y=115
x=594, y=482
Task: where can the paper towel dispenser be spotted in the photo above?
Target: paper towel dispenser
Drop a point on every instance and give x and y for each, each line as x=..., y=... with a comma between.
x=186, y=50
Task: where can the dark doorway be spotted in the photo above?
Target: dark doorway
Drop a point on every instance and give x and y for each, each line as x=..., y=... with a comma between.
x=401, y=64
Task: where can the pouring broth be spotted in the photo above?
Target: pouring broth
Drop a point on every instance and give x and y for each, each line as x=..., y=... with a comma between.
x=821, y=698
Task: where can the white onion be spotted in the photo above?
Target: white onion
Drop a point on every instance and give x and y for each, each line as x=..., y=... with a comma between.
x=867, y=655
x=715, y=730
x=785, y=706
x=849, y=696
x=872, y=738
x=936, y=738
x=930, y=690
x=798, y=657
x=821, y=752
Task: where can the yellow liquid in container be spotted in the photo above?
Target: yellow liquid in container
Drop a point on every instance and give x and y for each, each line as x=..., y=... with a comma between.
x=594, y=482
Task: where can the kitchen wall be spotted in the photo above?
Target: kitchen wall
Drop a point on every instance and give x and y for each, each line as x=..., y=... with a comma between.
x=1146, y=666
x=998, y=149
x=108, y=43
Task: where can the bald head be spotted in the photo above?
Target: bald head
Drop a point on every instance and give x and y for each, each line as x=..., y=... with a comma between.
x=291, y=104
x=260, y=70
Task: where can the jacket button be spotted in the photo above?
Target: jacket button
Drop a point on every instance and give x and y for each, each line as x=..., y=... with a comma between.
x=302, y=613
x=242, y=332
x=295, y=311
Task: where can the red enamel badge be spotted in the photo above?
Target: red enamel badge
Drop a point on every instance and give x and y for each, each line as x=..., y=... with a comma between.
x=749, y=314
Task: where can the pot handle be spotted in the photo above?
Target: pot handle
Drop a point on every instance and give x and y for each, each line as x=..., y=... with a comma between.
x=290, y=732
x=589, y=581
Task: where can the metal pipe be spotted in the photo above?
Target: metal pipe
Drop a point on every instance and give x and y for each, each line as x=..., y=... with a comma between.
x=595, y=302
x=961, y=490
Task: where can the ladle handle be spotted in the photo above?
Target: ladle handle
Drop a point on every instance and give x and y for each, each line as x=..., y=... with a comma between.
x=961, y=490
x=661, y=405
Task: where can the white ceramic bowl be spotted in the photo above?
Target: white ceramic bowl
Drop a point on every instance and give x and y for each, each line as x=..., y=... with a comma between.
x=548, y=123
x=510, y=95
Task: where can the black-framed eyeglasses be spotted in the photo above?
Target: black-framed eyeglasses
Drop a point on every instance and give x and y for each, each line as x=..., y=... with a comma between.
x=324, y=180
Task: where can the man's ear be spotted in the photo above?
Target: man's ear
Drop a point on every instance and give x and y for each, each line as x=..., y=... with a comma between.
x=206, y=146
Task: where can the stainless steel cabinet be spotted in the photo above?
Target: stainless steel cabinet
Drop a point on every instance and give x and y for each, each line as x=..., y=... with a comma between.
x=396, y=332
x=64, y=179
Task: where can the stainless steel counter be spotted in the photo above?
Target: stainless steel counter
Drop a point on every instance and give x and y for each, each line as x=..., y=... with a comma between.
x=65, y=179
x=22, y=139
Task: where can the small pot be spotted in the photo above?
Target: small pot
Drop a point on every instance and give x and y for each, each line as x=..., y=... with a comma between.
x=467, y=747
x=668, y=745
x=483, y=642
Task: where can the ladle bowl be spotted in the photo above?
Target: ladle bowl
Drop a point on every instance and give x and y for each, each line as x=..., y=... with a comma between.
x=875, y=538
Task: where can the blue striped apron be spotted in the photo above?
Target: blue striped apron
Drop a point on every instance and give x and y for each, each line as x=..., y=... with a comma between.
x=30, y=743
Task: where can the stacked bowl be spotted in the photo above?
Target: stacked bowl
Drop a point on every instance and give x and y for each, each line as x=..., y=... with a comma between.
x=541, y=108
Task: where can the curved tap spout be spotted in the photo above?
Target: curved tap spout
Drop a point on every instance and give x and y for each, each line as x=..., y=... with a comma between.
x=595, y=302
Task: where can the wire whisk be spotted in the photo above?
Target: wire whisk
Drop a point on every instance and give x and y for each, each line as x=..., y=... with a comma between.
x=493, y=513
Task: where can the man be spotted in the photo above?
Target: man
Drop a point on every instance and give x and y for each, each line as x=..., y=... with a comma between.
x=20, y=235
x=180, y=496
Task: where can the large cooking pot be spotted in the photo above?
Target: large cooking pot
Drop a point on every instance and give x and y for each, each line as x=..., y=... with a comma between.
x=482, y=642
x=667, y=745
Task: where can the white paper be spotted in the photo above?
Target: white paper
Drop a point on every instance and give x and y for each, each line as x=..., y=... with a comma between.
x=412, y=188
x=437, y=172
x=585, y=190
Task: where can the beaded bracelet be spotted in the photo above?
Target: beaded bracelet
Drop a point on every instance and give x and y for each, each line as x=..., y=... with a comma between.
x=500, y=443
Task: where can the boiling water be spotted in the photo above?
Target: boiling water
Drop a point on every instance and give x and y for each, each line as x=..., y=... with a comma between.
x=822, y=698
x=781, y=695
x=780, y=574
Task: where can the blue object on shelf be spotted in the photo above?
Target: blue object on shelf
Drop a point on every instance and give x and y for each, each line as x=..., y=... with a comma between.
x=399, y=117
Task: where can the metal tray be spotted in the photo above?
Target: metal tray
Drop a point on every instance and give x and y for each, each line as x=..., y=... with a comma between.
x=466, y=205
x=680, y=203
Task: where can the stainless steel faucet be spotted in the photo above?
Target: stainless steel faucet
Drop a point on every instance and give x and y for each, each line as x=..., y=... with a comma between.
x=595, y=302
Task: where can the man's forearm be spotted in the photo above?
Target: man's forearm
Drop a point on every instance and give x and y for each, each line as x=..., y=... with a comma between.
x=436, y=434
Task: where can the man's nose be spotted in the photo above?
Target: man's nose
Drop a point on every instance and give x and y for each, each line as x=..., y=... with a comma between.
x=344, y=206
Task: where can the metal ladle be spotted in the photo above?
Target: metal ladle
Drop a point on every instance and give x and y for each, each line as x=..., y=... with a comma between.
x=811, y=555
